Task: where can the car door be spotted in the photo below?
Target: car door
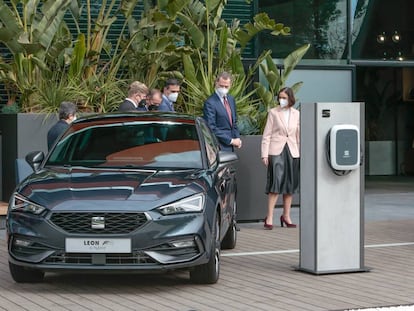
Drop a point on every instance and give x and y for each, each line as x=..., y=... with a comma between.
x=225, y=179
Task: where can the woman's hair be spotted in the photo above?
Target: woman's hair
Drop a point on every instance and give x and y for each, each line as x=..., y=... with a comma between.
x=289, y=92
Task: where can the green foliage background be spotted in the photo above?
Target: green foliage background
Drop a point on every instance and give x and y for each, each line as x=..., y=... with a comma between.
x=186, y=39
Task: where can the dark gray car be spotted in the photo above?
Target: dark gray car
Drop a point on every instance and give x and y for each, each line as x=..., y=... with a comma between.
x=125, y=192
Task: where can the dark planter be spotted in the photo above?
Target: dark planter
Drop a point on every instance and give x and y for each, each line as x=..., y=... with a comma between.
x=19, y=134
x=251, y=182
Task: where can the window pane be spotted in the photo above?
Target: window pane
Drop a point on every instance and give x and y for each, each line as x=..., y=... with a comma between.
x=382, y=30
x=322, y=23
x=157, y=145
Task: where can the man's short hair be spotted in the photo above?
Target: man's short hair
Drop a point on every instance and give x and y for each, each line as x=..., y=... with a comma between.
x=137, y=87
x=153, y=92
x=225, y=76
x=172, y=81
x=66, y=109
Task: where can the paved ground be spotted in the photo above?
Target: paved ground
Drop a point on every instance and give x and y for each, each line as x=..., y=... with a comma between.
x=258, y=275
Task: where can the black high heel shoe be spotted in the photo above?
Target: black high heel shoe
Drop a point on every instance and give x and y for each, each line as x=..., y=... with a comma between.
x=267, y=226
x=283, y=221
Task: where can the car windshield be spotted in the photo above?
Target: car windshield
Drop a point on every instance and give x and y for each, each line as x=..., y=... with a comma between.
x=165, y=145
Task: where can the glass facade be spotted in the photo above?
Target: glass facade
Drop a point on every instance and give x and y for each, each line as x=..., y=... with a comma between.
x=375, y=37
x=382, y=30
x=321, y=23
x=377, y=29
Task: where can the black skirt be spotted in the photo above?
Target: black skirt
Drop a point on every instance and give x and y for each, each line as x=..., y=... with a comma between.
x=283, y=173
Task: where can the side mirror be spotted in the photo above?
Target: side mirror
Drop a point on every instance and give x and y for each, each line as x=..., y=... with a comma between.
x=34, y=159
x=227, y=156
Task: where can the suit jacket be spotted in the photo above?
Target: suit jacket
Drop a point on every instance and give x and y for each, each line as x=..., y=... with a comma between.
x=127, y=105
x=217, y=119
x=277, y=133
x=55, y=131
x=165, y=105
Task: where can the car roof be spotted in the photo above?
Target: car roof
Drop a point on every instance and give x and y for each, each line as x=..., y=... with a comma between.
x=138, y=116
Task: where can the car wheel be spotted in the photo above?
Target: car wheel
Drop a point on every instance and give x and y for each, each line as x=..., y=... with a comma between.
x=209, y=272
x=25, y=275
x=230, y=239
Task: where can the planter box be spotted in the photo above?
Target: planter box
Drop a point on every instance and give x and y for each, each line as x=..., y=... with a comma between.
x=20, y=134
x=251, y=182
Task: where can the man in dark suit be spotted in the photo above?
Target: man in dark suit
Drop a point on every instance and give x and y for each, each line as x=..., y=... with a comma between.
x=220, y=113
x=67, y=114
x=169, y=95
x=137, y=93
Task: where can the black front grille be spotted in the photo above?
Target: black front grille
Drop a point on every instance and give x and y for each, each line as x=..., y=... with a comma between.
x=134, y=258
x=114, y=223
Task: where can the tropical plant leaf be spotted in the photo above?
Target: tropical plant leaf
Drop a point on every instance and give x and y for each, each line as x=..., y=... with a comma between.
x=196, y=35
x=176, y=6
x=127, y=7
x=293, y=59
x=77, y=59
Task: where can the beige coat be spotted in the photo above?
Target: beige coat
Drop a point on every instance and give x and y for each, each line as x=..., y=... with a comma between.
x=277, y=133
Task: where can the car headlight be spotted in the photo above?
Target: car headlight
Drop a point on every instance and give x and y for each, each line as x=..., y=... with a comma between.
x=192, y=204
x=21, y=204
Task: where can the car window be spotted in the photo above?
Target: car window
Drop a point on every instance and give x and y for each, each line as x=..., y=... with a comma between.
x=210, y=144
x=138, y=144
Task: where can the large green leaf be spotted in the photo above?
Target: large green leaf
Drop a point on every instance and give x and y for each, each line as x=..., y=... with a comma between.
x=30, y=10
x=212, y=5
x=11, y=28
x=176, y=6
x=196, y=35
x=127, y=7
x=77, y=60
x=293, y=59
x=189, y=69
x=53, y=12
x=261, y=22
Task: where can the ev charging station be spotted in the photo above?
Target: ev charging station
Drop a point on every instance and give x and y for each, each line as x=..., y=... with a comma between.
x=332, y=188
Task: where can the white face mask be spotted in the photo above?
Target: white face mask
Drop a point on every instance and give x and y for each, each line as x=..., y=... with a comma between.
x=283, y=102
x=222, y=91
x=172, y=97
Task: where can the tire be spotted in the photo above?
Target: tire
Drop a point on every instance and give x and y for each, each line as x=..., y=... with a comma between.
x=209, y=272
x=230, y=239
x=25, y=275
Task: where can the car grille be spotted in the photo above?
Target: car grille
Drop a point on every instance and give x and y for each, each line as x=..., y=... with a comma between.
x=115, y=223
x=134, y=258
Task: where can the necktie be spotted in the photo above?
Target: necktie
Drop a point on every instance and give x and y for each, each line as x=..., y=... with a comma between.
x=227, y=106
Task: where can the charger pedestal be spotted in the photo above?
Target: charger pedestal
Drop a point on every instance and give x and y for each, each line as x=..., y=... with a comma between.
x=331, y=206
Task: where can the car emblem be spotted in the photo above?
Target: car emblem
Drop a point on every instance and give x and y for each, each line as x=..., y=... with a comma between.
x=98, y=222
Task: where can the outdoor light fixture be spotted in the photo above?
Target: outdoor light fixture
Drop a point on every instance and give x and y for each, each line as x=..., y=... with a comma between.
x=396, y=37
x=390, y=46
x=381, y=37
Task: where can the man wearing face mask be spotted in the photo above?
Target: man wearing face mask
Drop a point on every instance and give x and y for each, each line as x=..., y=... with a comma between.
x=137, y=93
x=170, y=95
x=154, y=100
x=220, y=113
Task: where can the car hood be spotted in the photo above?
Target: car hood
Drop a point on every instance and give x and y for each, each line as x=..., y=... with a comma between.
x=107, y=189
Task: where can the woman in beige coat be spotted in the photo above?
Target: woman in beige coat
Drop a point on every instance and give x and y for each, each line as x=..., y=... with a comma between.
x=280, y=154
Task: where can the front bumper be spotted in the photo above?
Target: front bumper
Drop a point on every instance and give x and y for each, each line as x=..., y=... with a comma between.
x=162, y=243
